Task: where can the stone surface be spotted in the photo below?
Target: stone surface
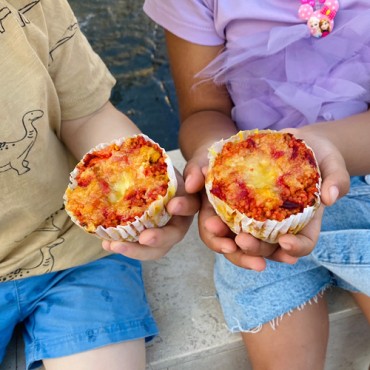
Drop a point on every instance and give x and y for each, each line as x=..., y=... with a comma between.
x=133, y=48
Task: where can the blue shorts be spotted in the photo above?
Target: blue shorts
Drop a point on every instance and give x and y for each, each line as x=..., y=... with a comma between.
x=76, y=310
x=341, y=258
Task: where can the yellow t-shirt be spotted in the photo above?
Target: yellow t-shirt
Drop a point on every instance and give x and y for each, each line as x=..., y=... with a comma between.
x=48, y=73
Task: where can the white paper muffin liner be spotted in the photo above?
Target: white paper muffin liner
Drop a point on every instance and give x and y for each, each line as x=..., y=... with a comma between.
x=269, y=230
x=155, y=216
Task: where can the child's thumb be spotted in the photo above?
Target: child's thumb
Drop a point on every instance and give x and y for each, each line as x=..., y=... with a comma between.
x=193, y=177
x=336, y=182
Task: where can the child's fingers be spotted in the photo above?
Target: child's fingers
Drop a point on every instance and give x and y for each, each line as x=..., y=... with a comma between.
x=257, y=248
x=281, y=255
x=167, y=236
x=184, y=205
x=106, y=245
x=193, y=176
x=153, y=243
x=137, y=251
x=156, y=242
x=214, y=233
x=216, y=226
x=336, y=180
x=240, y=259
x=254, y=247
x=209, y=222
x=335, y=177
x=304, y=242
x=217, y=236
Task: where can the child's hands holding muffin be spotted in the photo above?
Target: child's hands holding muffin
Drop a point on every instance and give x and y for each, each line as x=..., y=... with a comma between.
x=246, y=251
x=156, y=242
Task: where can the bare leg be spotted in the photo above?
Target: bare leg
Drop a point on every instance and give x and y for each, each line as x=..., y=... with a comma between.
x=121, y=356
x=363, y=301
x=298, y=342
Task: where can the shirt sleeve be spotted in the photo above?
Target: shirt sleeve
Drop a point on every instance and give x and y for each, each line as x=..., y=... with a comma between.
x=82, y=80
x=191, y=20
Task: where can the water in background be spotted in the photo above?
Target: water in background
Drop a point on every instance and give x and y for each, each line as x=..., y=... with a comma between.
x=133, y=48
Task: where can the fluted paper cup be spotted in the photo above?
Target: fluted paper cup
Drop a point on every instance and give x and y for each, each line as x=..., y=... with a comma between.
x=268, y=230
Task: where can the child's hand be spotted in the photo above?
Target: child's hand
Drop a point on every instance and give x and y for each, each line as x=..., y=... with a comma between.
x=245, y=251
x=289, y=248
x=214, y=233
x=155, y=243
x=335, y=177
x=218, y=237
x=248, y=252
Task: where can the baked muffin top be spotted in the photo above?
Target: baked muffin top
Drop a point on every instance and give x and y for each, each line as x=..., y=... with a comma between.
x=116, y=184
x=268, y=175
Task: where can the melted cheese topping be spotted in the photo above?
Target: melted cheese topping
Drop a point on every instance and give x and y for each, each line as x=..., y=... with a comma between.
x=258, y=172
x=266, y=176
x=118, y=183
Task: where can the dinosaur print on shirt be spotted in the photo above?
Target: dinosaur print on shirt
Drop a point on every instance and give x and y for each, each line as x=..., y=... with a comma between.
x=13, y=154
x=4, y=12
x=22, y=20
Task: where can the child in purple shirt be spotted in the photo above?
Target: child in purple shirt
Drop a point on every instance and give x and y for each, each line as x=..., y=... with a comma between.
x=263, y=64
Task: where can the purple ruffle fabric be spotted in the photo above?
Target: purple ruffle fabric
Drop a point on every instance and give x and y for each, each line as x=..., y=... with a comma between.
x=286, y=78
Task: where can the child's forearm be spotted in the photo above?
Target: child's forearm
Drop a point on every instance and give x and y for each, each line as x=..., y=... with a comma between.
x=104, y=125
x=200, y=130
x=352, y=137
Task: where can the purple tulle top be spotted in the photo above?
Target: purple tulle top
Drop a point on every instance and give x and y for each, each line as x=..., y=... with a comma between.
x=277, y=74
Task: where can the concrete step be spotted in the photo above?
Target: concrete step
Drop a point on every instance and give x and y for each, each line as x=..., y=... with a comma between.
x=193, y=335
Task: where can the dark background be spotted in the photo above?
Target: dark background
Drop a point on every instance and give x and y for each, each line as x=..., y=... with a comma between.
x=133, y=48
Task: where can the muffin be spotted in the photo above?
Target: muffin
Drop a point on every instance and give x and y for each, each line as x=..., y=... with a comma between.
x=119, y=189
x=263, y=182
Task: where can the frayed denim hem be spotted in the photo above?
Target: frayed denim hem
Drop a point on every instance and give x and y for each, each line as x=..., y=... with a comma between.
x=274, y=323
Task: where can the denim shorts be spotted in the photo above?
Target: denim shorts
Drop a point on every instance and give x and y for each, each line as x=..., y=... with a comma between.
x=76, y=310
x=341, y=258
